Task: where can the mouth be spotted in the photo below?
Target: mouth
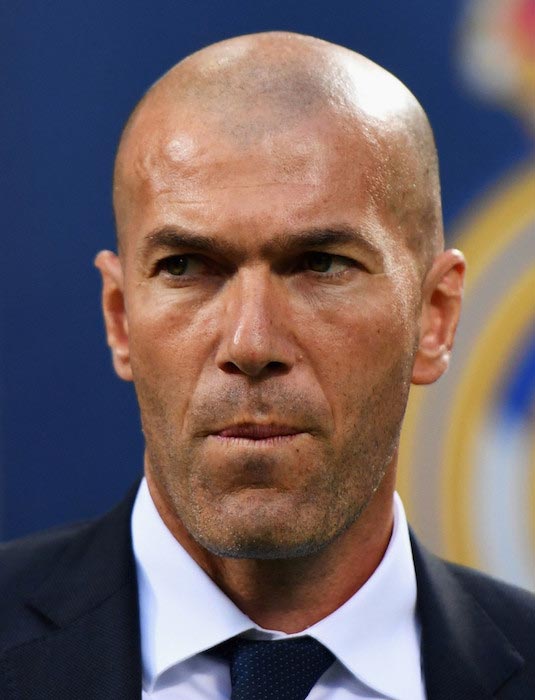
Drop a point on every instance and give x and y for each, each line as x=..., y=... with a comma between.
x=258, y=432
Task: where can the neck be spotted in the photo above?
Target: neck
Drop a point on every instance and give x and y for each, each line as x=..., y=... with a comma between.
x=290, y=595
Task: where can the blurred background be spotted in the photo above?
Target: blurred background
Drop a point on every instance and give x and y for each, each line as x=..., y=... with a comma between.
x=70, y=440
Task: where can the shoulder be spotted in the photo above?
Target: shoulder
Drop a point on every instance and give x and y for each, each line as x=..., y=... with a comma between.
x=26, y=558
x=29, y=559
x=25, y=564
x=48, y=577
x=511, y=607
x=457, y=597
x=446, y=582
x=477, y=631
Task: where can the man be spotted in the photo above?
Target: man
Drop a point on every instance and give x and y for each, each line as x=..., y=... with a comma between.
x=280, y=282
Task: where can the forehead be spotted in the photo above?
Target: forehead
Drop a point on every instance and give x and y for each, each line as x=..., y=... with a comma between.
x=179, y=168
x=203, y=155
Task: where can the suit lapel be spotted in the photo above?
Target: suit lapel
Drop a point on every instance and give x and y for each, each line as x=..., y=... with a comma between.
x=465, y=655
x=88, y=607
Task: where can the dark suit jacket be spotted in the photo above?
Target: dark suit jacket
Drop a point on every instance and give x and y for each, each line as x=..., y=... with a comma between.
x=69, y=621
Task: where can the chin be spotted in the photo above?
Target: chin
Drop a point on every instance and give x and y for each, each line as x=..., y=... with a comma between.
x=263, y=533
x=247, y=546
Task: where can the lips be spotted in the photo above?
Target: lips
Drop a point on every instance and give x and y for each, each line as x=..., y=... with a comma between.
x=256, y=431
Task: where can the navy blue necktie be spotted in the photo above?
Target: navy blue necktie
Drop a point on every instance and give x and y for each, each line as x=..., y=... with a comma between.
x=284, y=669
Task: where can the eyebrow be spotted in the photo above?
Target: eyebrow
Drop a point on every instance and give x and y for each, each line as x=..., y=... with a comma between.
x=176, y=237
x=322, y=237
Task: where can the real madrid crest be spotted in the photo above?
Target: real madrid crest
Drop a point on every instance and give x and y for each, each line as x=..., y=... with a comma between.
x=467, y=462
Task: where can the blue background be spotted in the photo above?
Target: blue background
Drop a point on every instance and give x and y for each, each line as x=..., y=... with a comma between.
x=70, y=441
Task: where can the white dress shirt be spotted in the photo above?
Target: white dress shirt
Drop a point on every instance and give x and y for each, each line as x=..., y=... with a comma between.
x=374, y=636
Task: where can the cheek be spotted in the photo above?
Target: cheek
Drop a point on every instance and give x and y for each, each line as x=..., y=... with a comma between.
x=166, y=354
x=169, y=344
x=361, y=349
x=359, y=333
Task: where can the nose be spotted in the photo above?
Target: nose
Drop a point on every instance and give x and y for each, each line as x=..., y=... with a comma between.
x=256, y=339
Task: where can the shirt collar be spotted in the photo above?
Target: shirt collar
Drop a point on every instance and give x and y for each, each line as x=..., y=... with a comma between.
x=376, y=634
x=177, y=621
x=375, y=630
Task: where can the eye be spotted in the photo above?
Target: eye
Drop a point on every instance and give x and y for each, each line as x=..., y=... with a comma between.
x=326, y=263
x=180, y=265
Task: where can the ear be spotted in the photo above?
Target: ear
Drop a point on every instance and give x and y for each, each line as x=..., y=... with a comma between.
x=113, y=308
x=441, y=308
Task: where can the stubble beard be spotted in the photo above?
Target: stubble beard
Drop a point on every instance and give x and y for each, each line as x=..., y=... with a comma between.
x=343, y=481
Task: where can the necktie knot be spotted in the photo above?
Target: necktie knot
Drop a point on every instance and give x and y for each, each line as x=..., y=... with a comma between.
x=284, y=669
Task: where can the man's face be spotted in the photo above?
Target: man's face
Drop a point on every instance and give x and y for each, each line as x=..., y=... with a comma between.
x=272, y=310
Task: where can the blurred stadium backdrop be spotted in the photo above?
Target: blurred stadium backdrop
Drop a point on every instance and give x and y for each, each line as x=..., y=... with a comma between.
x=70, y=442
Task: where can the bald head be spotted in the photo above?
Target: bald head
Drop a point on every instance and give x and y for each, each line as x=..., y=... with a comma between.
x=247, y=90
